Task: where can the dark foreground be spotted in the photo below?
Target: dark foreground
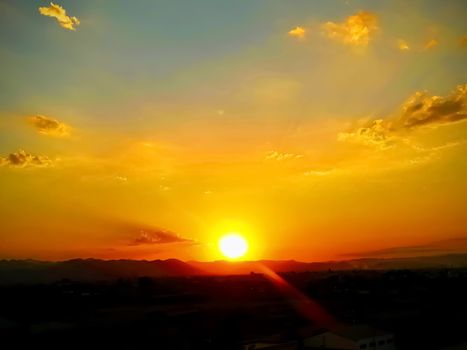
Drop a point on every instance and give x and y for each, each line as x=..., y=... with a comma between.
x=423, y=309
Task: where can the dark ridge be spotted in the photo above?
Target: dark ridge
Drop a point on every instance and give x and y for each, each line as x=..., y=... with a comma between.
x=35, y=271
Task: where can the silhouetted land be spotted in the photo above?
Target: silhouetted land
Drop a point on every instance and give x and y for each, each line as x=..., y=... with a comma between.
x=33, y=271
x=423, y=308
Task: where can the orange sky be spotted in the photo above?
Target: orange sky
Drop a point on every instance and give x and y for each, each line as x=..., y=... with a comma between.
x=317, y=130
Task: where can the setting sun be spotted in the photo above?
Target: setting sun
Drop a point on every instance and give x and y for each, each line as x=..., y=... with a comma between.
x=233, y=246
x=223, y=174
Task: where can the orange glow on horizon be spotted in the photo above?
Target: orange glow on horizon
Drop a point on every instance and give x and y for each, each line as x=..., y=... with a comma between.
x=314, y=130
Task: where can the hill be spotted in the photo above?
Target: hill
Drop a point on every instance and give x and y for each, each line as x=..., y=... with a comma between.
x=33, y=271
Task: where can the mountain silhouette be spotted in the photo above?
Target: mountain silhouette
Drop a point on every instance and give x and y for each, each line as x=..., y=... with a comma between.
x=33, y=271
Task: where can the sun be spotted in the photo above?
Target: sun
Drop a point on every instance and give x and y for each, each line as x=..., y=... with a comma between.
x=233, y=245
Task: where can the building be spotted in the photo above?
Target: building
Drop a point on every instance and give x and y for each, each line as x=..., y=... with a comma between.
x=351, y=338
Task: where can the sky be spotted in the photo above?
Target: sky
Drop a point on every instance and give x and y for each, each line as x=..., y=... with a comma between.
x=147, y=130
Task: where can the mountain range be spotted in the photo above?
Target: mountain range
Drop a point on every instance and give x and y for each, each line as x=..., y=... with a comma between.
x=33, y=271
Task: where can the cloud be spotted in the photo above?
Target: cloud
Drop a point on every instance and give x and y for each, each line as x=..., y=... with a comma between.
x=423, y=109
x=58, y=12
x=23, y=159
x=356, y=30
x=48, y=126
x=376, y=133
x=157, y=236
x=419, y=110
x=454, y=245
x=431, y=44
x=403, y=45
x=280, y=156
x=121, y=178
x=317, y=172
x=297, y=32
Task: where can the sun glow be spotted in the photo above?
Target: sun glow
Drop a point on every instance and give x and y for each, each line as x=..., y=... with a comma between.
x=233, y=245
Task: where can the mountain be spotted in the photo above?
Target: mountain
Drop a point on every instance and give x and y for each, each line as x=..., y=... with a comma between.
x=33, y=271
x=242, y=267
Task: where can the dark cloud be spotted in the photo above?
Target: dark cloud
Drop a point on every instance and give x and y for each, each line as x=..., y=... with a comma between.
x=157, y=236
x=423, y=109
x=23, y=159
x=419, y=110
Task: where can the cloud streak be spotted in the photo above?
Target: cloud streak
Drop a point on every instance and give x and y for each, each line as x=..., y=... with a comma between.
x=281, y=156
x=454, y=245
x=59, y=13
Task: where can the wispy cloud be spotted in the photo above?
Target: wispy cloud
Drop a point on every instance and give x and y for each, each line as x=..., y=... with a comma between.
x=356, y=30
x=59, y=13
x=454, y=245
x=431, y=44
x=374, y=134
x=22, y=159
x=49, y=126
x=297, y=32
x=403, y=45
x=281, y=156
x=318, y=172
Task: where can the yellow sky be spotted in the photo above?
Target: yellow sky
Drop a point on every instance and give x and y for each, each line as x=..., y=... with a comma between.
x=316, y=137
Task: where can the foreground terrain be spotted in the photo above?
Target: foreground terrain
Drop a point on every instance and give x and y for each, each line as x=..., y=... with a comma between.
x=423, y=308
